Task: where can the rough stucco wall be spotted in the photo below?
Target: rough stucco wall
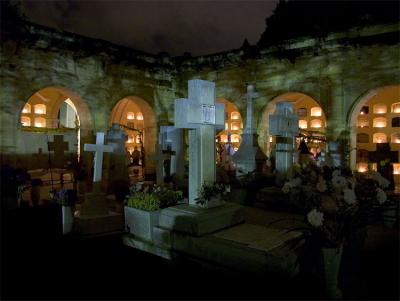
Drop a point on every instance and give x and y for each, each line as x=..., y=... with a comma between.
x=335, y=73
x=336, y=77
x=97, y=78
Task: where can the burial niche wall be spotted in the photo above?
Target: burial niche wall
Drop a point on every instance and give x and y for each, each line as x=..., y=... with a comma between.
x=138, y=120
x=312, y=122
x=375, y=115
x=50, y=112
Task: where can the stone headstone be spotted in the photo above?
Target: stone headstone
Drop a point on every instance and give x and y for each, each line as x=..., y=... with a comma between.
x=118, y=160
x=284, y=124
x=99, y=149
x=201, y=115
x=335, y=153
x=384, y=157
x=249, y=157
x=171, y=140
x=58, y=146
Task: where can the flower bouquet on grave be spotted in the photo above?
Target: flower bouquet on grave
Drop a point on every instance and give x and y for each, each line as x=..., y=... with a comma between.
x=212, y=194
x=341, y=204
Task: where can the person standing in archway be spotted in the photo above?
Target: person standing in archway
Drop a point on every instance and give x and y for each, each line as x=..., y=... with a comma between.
x=135, y=160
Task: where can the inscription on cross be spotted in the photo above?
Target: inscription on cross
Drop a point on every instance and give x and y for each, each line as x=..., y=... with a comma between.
x=58, y=146
x=201, y=115
x=99, y=148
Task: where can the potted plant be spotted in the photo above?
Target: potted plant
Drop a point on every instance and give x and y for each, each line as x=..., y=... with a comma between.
x=212, y=195
x=143, y=207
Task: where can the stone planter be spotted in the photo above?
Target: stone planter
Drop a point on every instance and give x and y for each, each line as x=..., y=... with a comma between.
x=67, y=219
x=331, y=264
x=140, y=222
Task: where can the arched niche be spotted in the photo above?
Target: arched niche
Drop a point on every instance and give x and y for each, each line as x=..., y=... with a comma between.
x=43, y=109
x=138, y=119
x=233, y=125
x=375, y=107
x=303, y=105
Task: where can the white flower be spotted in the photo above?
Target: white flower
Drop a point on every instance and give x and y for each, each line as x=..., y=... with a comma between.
x=286, y=188
x=339, y=182
x=336, y=173
x=383, y=182
x=315, y=218
x=321, y=186
x=381, y=196
x=349, y=196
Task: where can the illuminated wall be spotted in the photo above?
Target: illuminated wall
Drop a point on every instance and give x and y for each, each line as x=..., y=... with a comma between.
x=377, y=122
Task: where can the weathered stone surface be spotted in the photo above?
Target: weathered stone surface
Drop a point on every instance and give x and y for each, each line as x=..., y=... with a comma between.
x=336, y=71
x=198, y=221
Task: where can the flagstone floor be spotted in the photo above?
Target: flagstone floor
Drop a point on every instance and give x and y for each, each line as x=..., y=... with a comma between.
x=37, y=264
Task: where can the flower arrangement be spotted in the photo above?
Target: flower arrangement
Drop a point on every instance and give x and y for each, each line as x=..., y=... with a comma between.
x=209, y=191
x=335, y=200
x=152, y=198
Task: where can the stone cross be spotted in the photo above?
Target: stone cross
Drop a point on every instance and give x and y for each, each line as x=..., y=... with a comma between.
x=284, y=124
x=201, y=115
x=249, y=109
x=384, y=157
x=58, y=146
x=160, y=156
x=99, y=148
x=249, y=154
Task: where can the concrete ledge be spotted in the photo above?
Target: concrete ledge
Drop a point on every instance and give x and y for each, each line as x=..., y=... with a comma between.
x=198, y=221
x=89, y=225
x=146, y=246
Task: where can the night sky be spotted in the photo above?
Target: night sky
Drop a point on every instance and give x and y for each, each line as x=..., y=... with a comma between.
x=199, y=27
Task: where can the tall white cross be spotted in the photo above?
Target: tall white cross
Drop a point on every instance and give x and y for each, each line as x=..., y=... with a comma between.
x=201, y=115
x=249, y=111
x=99, y=148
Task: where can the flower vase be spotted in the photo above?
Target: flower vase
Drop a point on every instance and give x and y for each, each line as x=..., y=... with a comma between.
x=331, y=261
x=67, y=219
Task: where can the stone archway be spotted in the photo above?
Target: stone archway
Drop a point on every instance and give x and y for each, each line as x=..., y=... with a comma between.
x=44, y=109
x=372, y=120
x=138, y=119
x=233, y=124
x=311, y=117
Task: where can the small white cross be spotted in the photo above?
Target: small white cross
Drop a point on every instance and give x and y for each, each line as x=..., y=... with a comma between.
x=99, y=148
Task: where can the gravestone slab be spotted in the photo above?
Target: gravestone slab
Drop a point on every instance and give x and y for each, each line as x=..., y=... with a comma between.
x=198, y=221
x=58, y=146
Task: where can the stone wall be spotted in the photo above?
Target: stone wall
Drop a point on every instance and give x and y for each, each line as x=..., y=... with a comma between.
x=336, y=71
x=97, y=73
